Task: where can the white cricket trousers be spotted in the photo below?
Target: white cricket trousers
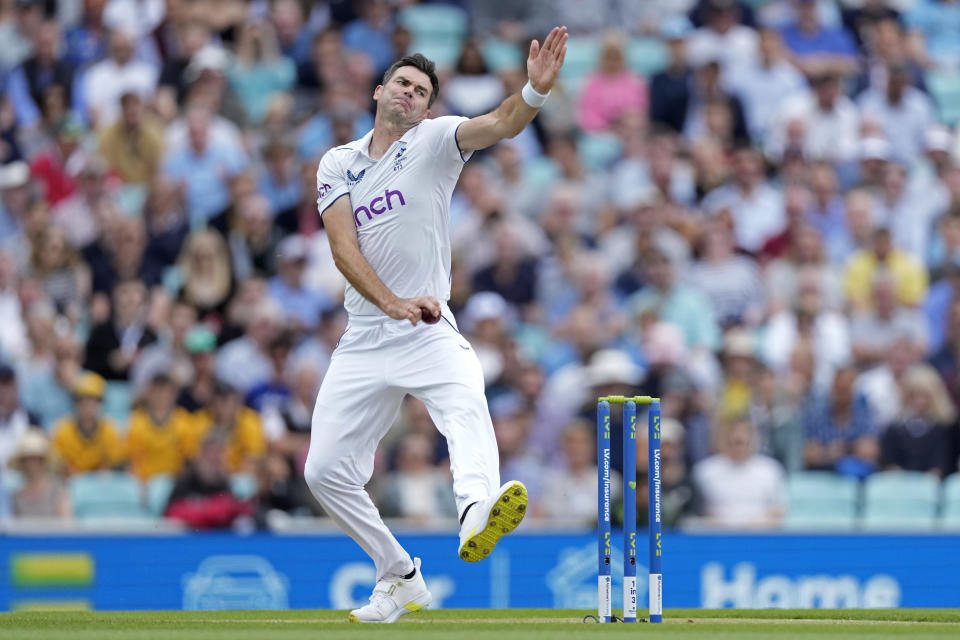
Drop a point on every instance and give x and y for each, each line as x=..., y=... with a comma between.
x=379, y=361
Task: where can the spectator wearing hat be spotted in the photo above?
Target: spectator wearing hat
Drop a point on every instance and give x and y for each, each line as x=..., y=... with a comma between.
x=201, y=345
x=42, y=494
x=159, y=431
x=239, y=426
x=50, y=167
x=106, y=81
x=737, y=487
x=133, y=144
x=114, y=345
x=14, y=420
x=88, y=441
x=302, y=306
x=15, y=199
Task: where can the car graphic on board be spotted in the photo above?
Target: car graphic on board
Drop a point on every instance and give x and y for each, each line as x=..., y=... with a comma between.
x=235, y=582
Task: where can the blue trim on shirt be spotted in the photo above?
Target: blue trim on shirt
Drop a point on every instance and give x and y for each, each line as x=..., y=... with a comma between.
x=451, y=324
x=457, y=142
x=331, y=203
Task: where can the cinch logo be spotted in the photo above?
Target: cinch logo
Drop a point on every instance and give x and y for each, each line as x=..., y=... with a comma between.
x=323, y=190
x=377, y=206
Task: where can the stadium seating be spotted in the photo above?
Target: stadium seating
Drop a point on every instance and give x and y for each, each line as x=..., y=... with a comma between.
x=647, y=56
x=438, y=30
x=117, y=403
x=582, y=57
x=243, y=485
x=500, y=55
x=821, y=499
x=158, y=490
x=106, y=494
x=944, y=87
x=900, y=500
x=950, y=518
x=599, y=151
x=10, y=481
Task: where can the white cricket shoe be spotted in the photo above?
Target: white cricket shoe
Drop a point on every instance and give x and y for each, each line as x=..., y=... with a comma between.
x=394, y=597
x=490, y=520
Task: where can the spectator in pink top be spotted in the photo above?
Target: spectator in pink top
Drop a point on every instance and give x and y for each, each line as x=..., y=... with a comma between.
x=612, y=90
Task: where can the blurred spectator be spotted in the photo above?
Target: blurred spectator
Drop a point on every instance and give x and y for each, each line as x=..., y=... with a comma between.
x=569, y=489
x=935, y=21
x=238, y=426
x=245, y=361
x=18, y=31
x=775, y=403
x=119, y=256
x=370, y=32
x=133, y=145
x=676, y=488
x=909, y=276
x=856, y=234
x=902, y=113
x=87, y=42
x=755, y=205
x=805, y=259
x=924, y=436
x=731, y=282
x=417, y=490
x=253, y=240
x=159, y=431
x=472, y=89
x=511, y=425
x=670, y=301
x=85, y=214
x=821, y=124
x=201, y=345
x=669, y=89
x=808, y=323
x=203, y=167
x=723, y=37
x=697, y=105
x=280, y=183
x=14, y=420
x=167, y=225
x=258, y=69
x=15, y=198
x=294, y=34
x=190, y=38
x=275, y=391
x=736, y=486
x=875, y=330
x=169, y=354
x=840, y=433
x=201, y=497
x=45, y=68
x=86, y=440
x=50, y=167
x=114, y=345
x=302, y=306
x=740, y=367
x=818, y=47
x=14, y=344
x=611, y=90
x=513, y=273
x=762, y=82
x=910, y=225
x=42, y=494
x=106, y=81
x=48, y=388
x=61, y=273
x=881, y=384
x=204, y=272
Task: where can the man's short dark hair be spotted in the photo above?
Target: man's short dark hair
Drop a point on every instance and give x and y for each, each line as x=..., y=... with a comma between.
x=417, y=61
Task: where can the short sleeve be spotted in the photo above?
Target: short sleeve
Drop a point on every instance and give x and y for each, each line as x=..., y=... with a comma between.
x=331, y=183
x=444, y=131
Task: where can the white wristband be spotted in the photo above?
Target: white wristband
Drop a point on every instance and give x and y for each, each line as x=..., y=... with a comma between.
x=533, y=97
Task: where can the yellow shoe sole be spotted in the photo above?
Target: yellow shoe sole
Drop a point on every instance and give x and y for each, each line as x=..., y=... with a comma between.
x=505, y=515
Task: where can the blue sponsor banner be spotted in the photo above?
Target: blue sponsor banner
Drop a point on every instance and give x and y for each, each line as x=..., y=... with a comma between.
x=227, y=571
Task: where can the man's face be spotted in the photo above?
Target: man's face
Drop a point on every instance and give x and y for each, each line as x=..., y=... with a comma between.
x=405, y=98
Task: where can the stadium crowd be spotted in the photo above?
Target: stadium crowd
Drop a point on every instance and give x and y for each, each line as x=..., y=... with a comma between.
x=748, y=209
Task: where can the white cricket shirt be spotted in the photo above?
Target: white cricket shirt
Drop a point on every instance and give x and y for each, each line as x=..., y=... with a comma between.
x=401, y=206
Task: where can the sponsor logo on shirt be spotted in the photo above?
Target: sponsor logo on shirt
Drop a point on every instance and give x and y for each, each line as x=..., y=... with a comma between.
x=323, y=190
x=355, y=179
x=379, y=206
x=399, y=158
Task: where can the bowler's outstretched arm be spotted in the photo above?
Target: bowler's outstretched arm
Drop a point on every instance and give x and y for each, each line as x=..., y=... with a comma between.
x=516, y=112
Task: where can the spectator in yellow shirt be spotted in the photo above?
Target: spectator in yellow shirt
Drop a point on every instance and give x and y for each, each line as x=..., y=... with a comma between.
x=159, y=431
x=909, y=276
x=133, y=145
x=239, y=425
x=87, y=441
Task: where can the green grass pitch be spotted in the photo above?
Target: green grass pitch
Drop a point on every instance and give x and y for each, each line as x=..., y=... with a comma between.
x=549, y=624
